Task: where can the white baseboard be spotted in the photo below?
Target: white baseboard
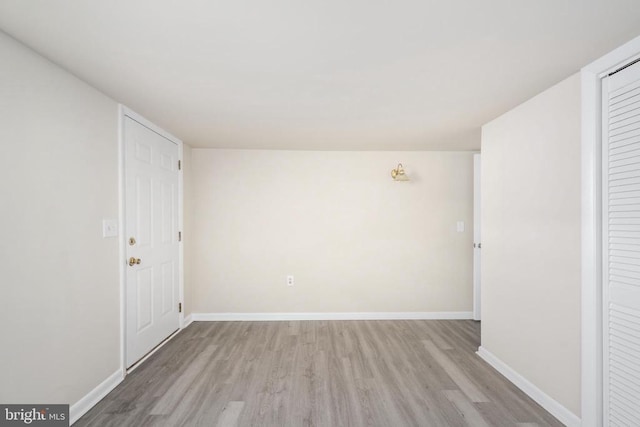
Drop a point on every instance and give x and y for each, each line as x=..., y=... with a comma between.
x=83, y=405
x=564, y=415
x=226, y=317
x=187, y=321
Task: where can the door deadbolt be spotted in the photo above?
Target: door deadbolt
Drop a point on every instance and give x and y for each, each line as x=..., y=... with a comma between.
x=132, y=241
x=133, y=261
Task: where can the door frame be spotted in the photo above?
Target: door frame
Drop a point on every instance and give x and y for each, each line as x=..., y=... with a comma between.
x=591, y=162
x=124, y=112
x=477, y=236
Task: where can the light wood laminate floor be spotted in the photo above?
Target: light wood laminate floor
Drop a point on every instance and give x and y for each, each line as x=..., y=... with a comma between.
x=319, y=373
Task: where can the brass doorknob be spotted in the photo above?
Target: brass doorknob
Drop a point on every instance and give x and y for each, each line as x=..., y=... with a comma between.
x=133, y=261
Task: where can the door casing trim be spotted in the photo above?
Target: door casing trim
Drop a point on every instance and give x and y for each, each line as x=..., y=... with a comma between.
x=124, y=112
x=477, y=236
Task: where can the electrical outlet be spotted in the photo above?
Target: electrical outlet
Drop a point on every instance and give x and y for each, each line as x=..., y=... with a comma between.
x=289, y=280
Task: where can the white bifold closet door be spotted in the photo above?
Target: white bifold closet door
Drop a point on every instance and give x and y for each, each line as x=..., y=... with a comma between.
x=621, y=247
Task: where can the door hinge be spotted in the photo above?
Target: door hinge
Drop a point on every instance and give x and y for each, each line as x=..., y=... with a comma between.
x=179, y=236
x=179, y=307
x=179, y=164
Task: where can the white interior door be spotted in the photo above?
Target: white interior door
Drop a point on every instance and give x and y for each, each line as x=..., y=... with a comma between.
x=151, y=227
x=477, y=242
x=621, y=247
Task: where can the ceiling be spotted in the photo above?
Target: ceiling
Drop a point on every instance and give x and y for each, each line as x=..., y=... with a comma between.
x=322, y=74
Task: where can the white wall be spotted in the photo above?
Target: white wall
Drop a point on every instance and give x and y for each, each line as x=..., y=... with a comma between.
x=531, y=241
x=59, y=320
x=355, y=240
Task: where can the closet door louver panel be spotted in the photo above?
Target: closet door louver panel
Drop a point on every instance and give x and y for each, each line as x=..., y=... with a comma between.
x=621, y=228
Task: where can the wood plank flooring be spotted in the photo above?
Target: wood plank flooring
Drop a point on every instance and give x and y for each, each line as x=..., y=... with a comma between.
x=319, y=373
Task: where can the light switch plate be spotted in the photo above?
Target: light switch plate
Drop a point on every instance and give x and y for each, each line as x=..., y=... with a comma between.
x=460, y=226
x=109, y=228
